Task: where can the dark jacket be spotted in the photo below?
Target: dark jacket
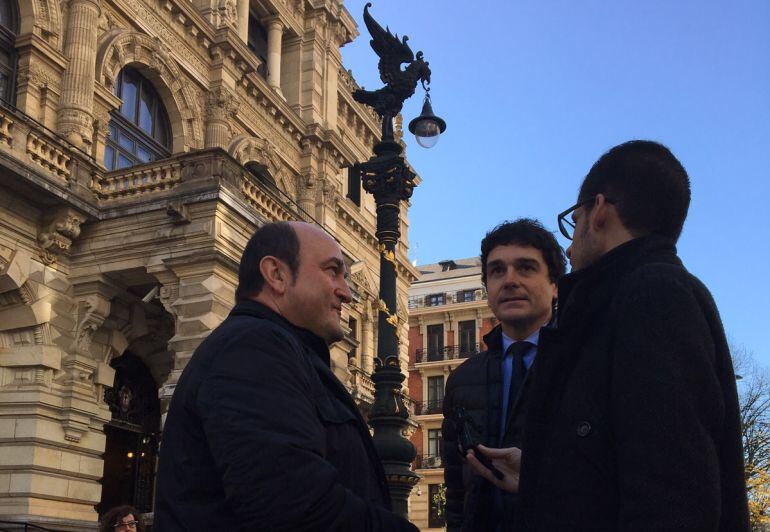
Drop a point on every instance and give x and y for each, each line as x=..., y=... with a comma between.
x=261, y=435
x=632, y=421
x=476, y=385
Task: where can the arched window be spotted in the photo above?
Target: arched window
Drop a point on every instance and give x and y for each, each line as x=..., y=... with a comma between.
x=9, y=27
x=139, y=130
x=260, y=172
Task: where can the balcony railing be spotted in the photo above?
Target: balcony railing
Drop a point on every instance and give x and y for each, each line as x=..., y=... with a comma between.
x=452, y=352
x=13, y=526
x=447, y=298
x=428, y=461
x=424, y=408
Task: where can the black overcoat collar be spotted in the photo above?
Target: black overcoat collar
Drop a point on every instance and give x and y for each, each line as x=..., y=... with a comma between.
x=317, y=344
x=592, y=286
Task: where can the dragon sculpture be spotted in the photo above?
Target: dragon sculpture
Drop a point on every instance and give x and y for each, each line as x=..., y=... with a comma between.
x=399, y=84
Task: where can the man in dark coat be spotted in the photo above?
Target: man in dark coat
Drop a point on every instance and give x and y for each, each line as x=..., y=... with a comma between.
x=260, y=434
x=633, y=422
x=520, y=265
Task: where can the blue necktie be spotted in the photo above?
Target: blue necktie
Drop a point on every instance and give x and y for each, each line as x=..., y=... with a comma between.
x=518, y=369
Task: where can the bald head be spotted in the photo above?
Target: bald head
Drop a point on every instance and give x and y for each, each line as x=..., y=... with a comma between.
x=307, y=233
x=297, y=269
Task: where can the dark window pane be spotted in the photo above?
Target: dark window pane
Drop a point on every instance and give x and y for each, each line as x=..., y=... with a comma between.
x=3, y=86
x=109, y=157
x=257, y=43
x=143, y=155
x=436, y=502
x=140, y=133
x=435, y=342
x=126, y=142
x=435, y=394
x=161, y=126
x=128, y=93
x=354, y=186
x=145, y=110
x=6, y=15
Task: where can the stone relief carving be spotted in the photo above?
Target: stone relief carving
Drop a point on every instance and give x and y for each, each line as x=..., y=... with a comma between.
x=160, y=27
x=107, y=20
x=221, y=104
x=47, y=16
x=38, y=76
x=168, y=295
x=58, y=235
x=359, y=278
x=92, y=311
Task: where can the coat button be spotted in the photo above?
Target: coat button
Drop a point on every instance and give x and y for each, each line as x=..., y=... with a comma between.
x=583, y=429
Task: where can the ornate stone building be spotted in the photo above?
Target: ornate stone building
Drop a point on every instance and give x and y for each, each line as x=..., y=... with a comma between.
x=141, y=143
x=448, y=317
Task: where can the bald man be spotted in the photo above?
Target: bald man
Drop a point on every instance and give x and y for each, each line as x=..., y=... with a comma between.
x=260, y=434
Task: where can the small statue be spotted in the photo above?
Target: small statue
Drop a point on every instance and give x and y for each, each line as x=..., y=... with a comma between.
x=399, y=84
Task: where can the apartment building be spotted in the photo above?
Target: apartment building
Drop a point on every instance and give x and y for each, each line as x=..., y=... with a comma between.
x=448, y=317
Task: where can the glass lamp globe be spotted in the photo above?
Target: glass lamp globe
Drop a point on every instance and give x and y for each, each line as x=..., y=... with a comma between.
x=427, y=127
x=427, y=132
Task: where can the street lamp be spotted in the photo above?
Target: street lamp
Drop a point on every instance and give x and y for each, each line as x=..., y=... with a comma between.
x=388, y=178
x=427, y=127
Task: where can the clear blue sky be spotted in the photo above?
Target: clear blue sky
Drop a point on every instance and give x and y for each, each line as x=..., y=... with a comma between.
x=534, y=91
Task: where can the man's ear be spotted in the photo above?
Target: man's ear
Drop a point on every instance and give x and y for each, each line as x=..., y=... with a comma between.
x=275, y=273
x=599, y=215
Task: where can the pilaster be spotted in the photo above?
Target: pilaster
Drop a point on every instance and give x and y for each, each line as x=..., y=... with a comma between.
x=243, y=19
x=77, y=98
x=221, y=106
x=274, y=42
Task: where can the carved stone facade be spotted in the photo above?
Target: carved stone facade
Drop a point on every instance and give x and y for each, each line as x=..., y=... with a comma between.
x=142, y=261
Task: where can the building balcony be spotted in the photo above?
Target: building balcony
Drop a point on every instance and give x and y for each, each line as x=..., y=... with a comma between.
x=447, y=298
x=452, y=352
x=428, y=461
x=428, y=408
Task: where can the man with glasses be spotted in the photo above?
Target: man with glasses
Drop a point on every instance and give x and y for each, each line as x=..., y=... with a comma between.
x=633, y=421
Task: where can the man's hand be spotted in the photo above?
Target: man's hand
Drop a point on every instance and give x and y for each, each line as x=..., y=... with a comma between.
x=507, y=460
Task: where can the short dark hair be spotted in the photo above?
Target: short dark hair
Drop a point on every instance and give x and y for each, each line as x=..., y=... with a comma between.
x=277, y=239
x=525, y=232
x=112, y=517
x=647, y=184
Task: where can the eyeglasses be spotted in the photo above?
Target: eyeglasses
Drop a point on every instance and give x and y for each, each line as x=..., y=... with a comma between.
x=128, y=525
x=566, y=224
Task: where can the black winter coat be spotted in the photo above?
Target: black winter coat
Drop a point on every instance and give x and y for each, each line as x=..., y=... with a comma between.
x=261, y=435
x=476, y=385
x=632, y=422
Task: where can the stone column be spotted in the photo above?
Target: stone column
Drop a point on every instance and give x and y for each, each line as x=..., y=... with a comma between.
x=274, y=38
x=367, y=342
x=221, y=106
x=243, y=20
x=77, y=97
x=333, y=66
